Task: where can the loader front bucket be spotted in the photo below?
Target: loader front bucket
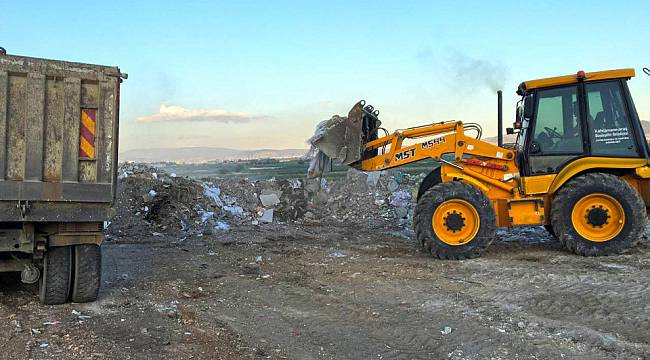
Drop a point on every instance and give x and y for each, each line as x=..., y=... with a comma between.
x=344, y=138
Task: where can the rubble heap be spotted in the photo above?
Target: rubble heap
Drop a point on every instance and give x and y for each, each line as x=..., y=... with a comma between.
x=163, y=203
x=173, y=204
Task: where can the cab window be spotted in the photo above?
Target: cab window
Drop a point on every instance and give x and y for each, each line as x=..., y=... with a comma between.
x=611, y=131
x=557, y=133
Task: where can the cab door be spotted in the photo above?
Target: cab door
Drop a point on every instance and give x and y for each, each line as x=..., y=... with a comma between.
x=556, y=133
x=611, y=121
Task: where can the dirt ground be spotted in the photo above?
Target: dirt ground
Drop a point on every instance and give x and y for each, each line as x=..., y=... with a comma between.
x=340, y=293
x=336, y=289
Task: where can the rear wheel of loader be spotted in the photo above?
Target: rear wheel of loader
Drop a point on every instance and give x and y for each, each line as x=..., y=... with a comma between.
x=454, y=220
x=598, y=214
x=55, y=280
x=87, y=273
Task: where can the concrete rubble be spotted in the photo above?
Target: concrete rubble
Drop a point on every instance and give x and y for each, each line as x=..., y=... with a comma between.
x=182, y=207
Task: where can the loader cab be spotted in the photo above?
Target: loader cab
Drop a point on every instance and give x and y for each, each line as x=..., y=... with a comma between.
x=567, y=118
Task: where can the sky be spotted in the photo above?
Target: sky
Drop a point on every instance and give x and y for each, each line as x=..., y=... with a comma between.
x=261, y=74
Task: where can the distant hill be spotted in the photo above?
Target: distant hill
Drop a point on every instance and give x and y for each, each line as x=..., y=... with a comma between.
x=206, y=154
x=645, y=124
x=506, y=139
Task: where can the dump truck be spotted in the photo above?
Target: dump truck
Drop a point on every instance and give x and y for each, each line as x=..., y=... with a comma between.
x=580, y=167
x=58, y=171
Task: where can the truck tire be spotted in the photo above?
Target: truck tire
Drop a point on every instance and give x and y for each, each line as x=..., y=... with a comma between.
x=598, y=214
x=54, y=286
x=87, y=273
x=454, y=220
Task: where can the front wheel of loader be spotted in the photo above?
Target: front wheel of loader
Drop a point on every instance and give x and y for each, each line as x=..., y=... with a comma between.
x=454, y=220
x=598, y=214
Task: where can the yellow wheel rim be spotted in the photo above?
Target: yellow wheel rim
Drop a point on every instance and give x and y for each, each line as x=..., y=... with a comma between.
x=455, y=222
x=598, y=217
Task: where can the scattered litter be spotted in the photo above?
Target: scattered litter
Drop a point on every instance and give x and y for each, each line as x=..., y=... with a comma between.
x=267, y=216
x=234, y=210
x=150, y=195
x=393, y=185
x=337, y=254
x=167, y=310
x=220, y=225
x=401, y=199
x=18, y=326
x=269, y=200
x=372, y=178
x=295, y=184
x=213, y=193
x=206, y=215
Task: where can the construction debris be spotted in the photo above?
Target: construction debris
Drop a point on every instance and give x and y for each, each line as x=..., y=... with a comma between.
x=150, y=200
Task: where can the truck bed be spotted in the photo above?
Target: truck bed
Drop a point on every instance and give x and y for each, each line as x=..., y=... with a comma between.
x=58, y=139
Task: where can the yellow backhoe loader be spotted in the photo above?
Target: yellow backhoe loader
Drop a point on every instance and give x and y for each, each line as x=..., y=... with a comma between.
x=579, y=166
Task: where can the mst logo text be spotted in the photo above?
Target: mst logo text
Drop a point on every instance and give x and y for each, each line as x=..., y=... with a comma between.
x=406, y=154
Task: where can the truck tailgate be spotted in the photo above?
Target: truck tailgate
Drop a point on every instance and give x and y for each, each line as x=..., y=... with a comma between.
x=58, y=139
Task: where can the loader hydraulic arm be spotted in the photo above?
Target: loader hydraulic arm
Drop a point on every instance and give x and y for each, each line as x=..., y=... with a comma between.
x=470, y=155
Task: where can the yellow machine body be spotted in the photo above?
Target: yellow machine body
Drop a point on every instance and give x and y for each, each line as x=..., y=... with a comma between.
x=517, y=199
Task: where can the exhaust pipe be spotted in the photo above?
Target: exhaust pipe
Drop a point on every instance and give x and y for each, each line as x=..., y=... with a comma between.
x=499, y=118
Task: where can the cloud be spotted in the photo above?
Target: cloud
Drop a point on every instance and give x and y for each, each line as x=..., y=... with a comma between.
x=170, y=113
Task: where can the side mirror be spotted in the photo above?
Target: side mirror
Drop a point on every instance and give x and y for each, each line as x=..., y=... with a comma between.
x=534, y=147
x=510, y=131
x=529, y=107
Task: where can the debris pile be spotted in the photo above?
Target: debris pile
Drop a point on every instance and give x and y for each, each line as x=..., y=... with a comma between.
x=172, y=204
x=179, y=206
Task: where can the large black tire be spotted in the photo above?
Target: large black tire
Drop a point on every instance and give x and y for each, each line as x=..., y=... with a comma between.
x=55, y=281
x=598, y=183
x=441, y=193
x=87, y=273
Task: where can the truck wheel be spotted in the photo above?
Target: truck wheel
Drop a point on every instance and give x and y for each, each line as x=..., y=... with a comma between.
x=87, y=273
x=598, y=214
x=54, y=285
x=454, y=220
